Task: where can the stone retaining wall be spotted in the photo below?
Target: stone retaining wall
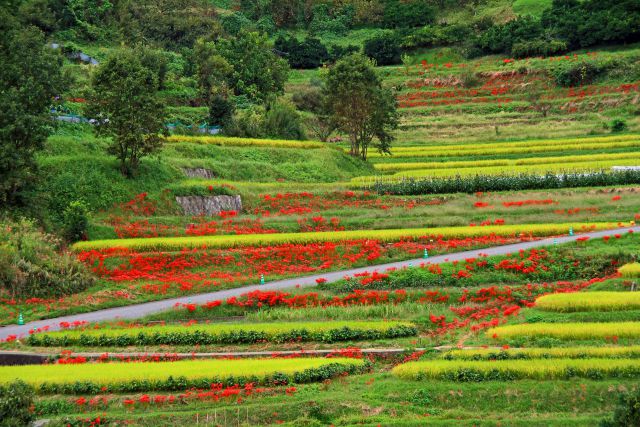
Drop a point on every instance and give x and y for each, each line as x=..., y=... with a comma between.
x=209, y=205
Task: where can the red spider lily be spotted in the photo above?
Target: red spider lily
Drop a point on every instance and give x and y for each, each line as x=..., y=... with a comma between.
x=528, y=202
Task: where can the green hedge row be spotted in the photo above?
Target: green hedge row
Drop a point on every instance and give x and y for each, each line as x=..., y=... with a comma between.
x=199, y=337
x=478, y=183
x=478, y=375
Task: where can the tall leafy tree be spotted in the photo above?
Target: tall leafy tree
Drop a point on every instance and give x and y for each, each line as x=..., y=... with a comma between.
x=124, y=102
x=257, y=72
x=360, y=106
x=30, y=78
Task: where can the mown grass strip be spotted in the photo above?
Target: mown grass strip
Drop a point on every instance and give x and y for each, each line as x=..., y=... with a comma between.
x=242, y=333
x=568, y=331
x=391, y=235
x=589, y=301
x=180, y=375
x=626, y=352
x=505, y=370
x=244, y=142
x=631, y=270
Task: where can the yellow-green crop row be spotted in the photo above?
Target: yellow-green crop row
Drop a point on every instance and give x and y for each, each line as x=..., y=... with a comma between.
x=505, y=162
x=568, y=331
x=539, y=369
x=631, y=270
x=224, y=328
x=528, y=146
x=211, y=334
x=543, y=168
x=389, y=235
x=628, y=352
x=589, y=301
x=463, y=151
x=143, y=376
x=245, y=142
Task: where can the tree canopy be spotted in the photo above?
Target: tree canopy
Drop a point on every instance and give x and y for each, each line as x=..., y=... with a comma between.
x=360, y=106
x=125, y=104
x=30, y=78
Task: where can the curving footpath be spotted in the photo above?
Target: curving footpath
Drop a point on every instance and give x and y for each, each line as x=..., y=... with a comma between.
x=144, y=309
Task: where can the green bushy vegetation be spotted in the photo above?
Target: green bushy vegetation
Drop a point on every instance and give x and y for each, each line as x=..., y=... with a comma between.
x=32, y=266
x=16, y=401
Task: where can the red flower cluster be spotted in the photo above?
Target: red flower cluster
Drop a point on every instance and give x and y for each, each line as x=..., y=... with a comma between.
x=305, y=202
x=528, y=202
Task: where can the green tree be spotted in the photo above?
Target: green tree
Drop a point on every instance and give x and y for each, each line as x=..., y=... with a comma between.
x=124, y=102
x=256, y=71
x=384, y=48
x=360, y=106
x=30, y=78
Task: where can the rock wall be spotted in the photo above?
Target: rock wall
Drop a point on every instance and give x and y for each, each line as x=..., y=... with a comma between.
x=209, y=205
x=198, y=173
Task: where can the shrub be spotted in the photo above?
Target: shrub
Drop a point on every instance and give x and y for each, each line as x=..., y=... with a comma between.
x=310, y=53
x=32, y=266
x=407, y=13
x=501, y=38
x=221, y=110
x=281, y=120
x=384, y=48
x=75, y=221
x=538, y=48
x=16, y=400
x=618, y=125
x=579, y=74
x=627, y=413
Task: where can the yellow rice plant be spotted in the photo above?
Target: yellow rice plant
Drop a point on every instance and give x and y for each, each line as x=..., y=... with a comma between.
x=389, y=235
x=631, y=270
x=538, y=369
x=628, y=352
x=488, y=150
x=589, y=301
x=113, y=373
x=226, y=328
x=568, y=331
x=505, y=162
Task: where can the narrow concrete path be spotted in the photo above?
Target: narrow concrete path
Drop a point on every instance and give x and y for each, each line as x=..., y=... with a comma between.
x=140, y=310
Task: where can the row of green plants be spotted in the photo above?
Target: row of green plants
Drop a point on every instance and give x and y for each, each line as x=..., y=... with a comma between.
x=97, y=378
x=555, y=166
x=504, y=182
x=327, y=332
x=508, y=370
x=626, y=352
